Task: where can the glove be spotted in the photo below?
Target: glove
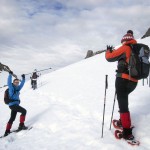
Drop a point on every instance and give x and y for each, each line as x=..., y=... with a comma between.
x=110, y=48
x=23, y=76
x=10, y=72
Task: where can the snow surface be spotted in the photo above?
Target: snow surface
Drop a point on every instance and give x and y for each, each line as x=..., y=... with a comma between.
x=66, y=110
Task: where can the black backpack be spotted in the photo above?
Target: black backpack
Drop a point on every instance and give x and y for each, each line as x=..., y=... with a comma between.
x=7, y=99
x=34, y=76
x=139, y=64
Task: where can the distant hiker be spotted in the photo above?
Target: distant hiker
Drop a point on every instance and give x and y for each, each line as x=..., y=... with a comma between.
x=34, y=80
x=125, y=84
x=14, y=92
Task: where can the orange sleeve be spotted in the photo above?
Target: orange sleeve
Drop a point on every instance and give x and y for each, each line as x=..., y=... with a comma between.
x=121, y=52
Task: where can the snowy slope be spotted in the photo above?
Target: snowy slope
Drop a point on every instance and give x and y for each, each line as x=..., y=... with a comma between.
x=67, y=108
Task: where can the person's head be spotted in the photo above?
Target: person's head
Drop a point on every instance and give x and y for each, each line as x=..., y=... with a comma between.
x=130, y=31
x=16, y=82
x=127, y=37
x=34, y=72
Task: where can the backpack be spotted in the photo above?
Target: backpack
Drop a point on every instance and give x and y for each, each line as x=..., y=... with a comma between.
x=34, y=76
x=139, y=64
x=7, y=99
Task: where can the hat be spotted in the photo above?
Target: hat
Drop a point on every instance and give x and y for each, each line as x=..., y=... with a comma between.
x=127, y=37
x=130, y=31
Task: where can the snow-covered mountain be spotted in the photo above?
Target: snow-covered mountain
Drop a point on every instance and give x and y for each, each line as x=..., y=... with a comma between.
x=66, y=110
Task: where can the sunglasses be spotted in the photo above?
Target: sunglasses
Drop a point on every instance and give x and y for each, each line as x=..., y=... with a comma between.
x=16, y=82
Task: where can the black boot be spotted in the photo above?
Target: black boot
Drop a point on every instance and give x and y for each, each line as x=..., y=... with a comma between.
x=127, y=134
x=22, y=127
x=7, y=132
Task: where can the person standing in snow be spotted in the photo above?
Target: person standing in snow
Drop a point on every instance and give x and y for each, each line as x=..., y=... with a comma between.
x=124, y=84
x=14, y=92
x=34, y=80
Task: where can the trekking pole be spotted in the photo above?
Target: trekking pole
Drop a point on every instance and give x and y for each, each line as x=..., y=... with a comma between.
x=113, y=110
x=149, y=76
x=106, y=86
x=38, y=71
x=149, y=80
x=40, y=79
x=44, y=69
x=7, y=69
x=3, y=86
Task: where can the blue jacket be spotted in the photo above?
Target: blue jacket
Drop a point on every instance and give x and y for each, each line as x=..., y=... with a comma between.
x=14, y=91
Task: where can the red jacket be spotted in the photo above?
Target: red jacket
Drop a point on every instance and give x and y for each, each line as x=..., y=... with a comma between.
x=122, y=52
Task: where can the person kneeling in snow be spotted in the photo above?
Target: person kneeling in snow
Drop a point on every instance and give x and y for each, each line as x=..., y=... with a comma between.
x=125, y=84
x=14, y=92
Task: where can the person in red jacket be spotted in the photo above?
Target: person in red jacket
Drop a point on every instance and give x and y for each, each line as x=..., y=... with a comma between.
x=124, y=84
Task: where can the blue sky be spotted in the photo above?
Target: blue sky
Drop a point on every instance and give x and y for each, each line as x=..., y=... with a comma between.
x=55, y=33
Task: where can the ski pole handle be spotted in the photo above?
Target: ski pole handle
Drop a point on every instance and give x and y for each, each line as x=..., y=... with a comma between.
x=106, y=82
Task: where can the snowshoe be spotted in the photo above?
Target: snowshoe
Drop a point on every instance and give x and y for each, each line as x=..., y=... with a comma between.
x=22, y=127
x=7, y=132
x=130, y=140
x=117, y=124
x=118, y=134
x=15, y=131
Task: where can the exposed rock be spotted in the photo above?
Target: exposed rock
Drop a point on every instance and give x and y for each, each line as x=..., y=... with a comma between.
x=146, y=34
x=90, y=53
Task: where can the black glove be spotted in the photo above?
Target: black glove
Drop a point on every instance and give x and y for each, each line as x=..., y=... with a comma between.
x=10, y=72
x=109, y=48
x=23, y=76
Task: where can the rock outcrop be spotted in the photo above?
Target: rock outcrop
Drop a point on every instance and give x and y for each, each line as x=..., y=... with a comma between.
x=147, y=34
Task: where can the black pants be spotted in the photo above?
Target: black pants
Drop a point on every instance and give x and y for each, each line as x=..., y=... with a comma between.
x=34, y=83
x=14, y=110
x=123, y=88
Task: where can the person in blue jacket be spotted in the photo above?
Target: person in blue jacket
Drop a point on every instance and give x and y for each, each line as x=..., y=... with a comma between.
x=14, y=92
